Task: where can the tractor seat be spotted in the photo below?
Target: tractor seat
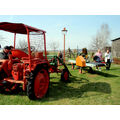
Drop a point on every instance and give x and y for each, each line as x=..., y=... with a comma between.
x=39, y=55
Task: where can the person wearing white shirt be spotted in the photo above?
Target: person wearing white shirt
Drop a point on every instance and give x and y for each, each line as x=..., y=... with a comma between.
x=108, y=59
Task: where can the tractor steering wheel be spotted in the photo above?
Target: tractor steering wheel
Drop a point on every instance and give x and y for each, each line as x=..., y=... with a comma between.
x=32, y=48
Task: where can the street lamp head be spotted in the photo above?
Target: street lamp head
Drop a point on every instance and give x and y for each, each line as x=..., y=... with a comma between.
x=64, y=31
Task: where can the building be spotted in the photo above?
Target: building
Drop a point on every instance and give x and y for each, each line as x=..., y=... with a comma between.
x=116, y=47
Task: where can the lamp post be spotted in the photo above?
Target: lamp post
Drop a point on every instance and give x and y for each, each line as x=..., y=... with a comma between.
x=64, y=31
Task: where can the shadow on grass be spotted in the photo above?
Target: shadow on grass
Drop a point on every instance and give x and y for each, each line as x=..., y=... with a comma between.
x=115, y=68
x=104, y=74
x=18, y=92
x=74, y=79
x=60, y=90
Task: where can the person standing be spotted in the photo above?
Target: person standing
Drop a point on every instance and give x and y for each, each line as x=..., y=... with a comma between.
x=60, y=55
x=108, y=59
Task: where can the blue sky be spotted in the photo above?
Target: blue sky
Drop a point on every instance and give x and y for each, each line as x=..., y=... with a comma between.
x=81, y=28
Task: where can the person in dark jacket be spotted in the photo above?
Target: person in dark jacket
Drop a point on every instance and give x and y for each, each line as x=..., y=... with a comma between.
x=5, y=53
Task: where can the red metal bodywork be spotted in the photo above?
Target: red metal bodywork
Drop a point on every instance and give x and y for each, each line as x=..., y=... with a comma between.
x=17, y=70
x=30, y=70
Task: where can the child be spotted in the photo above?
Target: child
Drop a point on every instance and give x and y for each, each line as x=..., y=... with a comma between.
x=108, y=59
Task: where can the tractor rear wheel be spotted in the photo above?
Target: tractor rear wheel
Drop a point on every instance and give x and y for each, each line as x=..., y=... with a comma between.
x=65, y=75
x=38, y=84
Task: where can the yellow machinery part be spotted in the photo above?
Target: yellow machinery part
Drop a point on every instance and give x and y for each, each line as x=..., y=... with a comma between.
x=80, y=61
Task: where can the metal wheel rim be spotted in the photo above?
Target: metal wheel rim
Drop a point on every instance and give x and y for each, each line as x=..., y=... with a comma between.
x=41, y=83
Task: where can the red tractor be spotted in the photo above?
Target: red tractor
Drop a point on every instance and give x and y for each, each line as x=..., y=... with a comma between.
x=26, y=68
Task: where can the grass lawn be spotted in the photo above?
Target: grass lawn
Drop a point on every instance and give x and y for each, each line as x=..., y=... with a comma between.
x=100, y=88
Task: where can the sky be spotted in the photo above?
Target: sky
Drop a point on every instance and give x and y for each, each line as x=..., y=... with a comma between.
x=81, y=28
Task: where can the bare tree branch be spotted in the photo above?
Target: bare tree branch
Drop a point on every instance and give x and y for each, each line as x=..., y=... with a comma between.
x=54, y=45
x=101, y=38
x=2, y=39
x=22, y=44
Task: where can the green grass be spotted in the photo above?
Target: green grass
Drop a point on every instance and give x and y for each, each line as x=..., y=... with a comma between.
x=100, y=88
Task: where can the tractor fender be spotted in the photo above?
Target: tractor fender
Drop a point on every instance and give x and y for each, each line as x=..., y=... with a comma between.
x=43, y=65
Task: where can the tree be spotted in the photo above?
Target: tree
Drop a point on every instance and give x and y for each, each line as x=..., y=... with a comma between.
x=22, y=44
x=2, y=40
x=100, y=40
x=37, y=41
x=54, y=45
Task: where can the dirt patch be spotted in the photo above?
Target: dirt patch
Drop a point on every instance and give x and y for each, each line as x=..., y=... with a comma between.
x=92, y=75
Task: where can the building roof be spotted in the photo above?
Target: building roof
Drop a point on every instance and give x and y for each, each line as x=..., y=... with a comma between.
x=116, y=39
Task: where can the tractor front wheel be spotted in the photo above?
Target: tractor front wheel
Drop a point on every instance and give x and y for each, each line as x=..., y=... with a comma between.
x=38, y=84
x=65, y=75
